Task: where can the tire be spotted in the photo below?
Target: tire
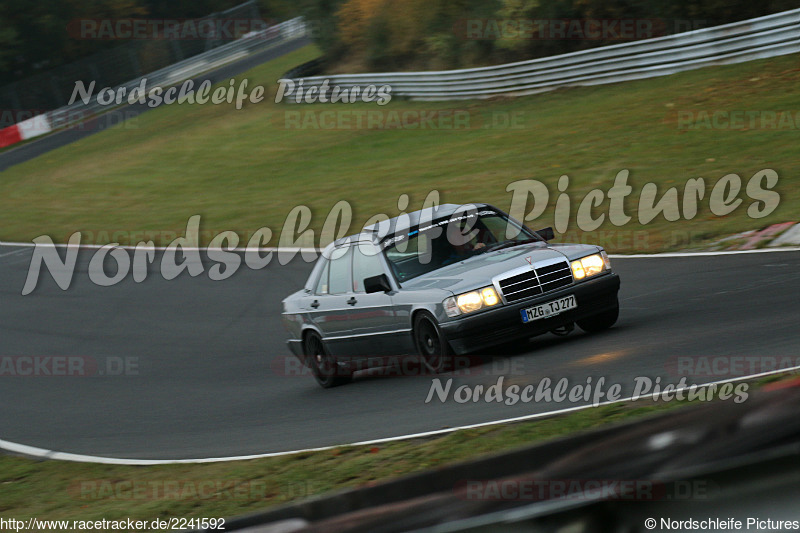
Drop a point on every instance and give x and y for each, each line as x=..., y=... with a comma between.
x=601, y=321
x=431, y=345
x=563, y=331
x=323, y=365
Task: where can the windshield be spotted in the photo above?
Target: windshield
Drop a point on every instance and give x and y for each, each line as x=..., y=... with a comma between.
x=450, y=240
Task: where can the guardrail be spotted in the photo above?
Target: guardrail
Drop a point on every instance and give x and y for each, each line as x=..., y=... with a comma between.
x=188, y=68
x=175, y=73
x=758, y=38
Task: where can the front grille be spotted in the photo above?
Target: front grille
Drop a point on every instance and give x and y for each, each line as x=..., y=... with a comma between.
x=536, y=281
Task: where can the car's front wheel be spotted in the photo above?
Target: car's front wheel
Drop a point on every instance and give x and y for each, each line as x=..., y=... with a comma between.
x=601, y=321
x=323, y=365
x=431, y=344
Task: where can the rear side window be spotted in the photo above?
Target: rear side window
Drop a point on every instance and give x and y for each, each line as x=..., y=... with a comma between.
x=366, y=263
x=340, y=278
x=322, y=284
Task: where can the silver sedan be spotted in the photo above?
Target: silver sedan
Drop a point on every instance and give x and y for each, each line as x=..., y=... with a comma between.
x=443, y=282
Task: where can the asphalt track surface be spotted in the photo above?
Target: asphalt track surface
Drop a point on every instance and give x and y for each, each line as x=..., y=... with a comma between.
x=35, y=148
x=209, y=356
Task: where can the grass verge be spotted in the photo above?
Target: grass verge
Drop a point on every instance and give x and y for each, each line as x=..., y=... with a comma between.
x=242, y=170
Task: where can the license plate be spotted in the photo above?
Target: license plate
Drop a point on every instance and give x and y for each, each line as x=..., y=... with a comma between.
x=548, y=309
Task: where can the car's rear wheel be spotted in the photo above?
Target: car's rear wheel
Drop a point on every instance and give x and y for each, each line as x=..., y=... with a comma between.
x=323, y=365
x=431, y=344
x=601, y=321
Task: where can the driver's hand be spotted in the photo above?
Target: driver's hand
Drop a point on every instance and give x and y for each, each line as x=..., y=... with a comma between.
x=478, y=246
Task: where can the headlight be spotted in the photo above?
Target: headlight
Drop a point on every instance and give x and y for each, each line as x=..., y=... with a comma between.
x=590, y=265
x=471, y=301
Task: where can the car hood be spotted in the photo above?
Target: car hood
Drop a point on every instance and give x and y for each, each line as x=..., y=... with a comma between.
x=478, y=271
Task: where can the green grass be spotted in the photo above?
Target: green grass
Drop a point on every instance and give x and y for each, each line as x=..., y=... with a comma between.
x=242, y=170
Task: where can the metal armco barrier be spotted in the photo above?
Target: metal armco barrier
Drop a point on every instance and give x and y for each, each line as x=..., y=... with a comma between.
x=758, y=38
x=79, y=112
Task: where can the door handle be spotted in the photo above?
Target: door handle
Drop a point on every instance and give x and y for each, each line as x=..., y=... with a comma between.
x=315, y=304
x=352, y=301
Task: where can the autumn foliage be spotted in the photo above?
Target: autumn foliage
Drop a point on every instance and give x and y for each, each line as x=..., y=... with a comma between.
x=382, y=35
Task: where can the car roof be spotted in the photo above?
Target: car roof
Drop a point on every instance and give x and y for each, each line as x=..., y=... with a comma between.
x=408, y=221
x=402, y=223
x=397, y=224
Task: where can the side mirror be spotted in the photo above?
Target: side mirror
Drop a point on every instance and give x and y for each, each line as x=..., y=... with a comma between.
x=547, y=234
x=379, y=283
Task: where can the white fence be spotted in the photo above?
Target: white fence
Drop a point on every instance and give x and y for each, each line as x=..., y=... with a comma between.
x=758, y=38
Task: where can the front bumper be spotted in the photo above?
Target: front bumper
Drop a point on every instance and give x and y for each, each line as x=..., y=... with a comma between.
x=504, y=324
